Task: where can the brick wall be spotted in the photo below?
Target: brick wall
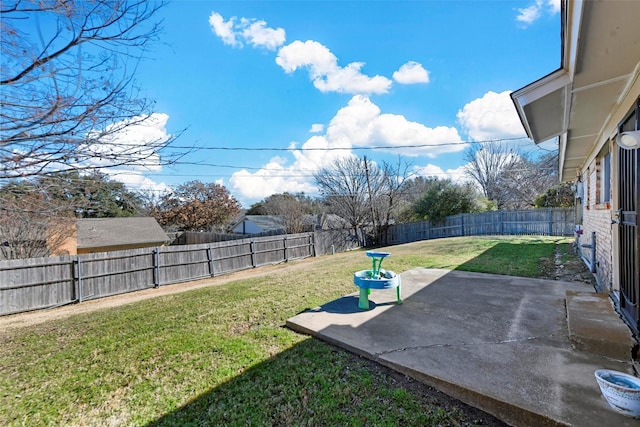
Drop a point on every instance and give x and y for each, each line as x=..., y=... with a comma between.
x=597, y=218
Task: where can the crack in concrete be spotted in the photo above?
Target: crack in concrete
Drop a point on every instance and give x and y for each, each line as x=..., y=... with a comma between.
x=418, y=347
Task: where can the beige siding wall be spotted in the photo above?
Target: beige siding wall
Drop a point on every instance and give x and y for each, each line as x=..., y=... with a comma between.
x=62, y=239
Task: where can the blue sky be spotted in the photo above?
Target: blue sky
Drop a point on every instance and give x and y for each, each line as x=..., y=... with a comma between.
x=294, y=75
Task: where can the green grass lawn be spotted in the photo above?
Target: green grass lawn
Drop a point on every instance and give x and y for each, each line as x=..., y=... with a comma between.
x=221, y=356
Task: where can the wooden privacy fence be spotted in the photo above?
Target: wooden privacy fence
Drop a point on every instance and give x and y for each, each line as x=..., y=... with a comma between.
x=30, y=284
x=543, y=222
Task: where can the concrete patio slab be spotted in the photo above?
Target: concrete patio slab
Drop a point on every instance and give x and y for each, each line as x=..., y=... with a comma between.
x=498, y=343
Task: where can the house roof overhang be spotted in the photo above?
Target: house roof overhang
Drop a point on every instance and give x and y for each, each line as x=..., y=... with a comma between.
x=582, y=102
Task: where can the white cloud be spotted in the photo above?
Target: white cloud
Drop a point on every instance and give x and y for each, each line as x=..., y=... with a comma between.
x=554, y=6
x=429, y=170
x=362, y=123
x=138, y=137
x=359, y=123
x=134, y=180
x=316, y=128
x=251, y=31
x=223, y=29
x=272, y=178
x=411, y=72
x=324, y=71
x=278, y=177
x=311, y=54
x=528, y=15
x=258, y=34
x=491, y=117
x=396, y=130
x=321, y=63
x=456, y=175
x=134, y=141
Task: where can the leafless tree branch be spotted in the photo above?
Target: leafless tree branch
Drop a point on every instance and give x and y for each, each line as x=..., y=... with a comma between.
x=67, y=88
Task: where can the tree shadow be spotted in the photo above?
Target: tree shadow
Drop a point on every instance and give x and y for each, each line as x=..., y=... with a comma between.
x=314, y=383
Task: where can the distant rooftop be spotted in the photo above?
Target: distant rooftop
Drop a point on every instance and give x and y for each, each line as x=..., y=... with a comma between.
x=100, y=232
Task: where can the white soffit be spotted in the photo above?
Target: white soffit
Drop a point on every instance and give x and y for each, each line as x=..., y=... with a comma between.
x=542, y=105
x=601, y=46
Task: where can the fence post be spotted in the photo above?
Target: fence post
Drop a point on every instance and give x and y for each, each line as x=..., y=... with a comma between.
x=286, y=257
x=462, y=224
x=210, y=260
x=74, y=289
x=550, y=221
x=253, y=254
x=78, y=277
x=501, y=222
x=312, y=241
x=156, y=268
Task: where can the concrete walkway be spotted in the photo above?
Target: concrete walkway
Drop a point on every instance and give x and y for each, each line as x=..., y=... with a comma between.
x=499, y=343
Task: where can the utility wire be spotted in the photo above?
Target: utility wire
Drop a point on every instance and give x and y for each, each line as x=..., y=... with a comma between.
x=378, y=147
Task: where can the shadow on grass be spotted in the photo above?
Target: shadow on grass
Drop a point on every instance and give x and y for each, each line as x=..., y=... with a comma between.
x=466, y=333
x=314, y=383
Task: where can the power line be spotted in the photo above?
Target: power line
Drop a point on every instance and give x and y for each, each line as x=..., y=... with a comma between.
x=291, y=173
x=378, y=147
x=295, y=173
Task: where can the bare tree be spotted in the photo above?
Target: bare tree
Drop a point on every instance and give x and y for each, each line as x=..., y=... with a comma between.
x=30, y=225
x=389, y=194
x=38, y=216
x=66, y=85
x=343, y=185
x=511, y=178
x=32, y=234
x=293, y=210
x=527, y=178
x=486, y=165
x=363, y=192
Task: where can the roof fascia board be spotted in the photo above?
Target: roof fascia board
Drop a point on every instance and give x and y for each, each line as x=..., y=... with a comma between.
x=571, y=37
x=544, y=86
x=562, y=150
x=558, y=79
x=574, y=13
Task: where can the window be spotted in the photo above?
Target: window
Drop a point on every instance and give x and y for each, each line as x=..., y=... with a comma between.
x=632, y=122
x=605, y=179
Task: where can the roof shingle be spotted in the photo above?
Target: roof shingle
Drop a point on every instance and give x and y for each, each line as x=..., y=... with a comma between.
x=101, y=232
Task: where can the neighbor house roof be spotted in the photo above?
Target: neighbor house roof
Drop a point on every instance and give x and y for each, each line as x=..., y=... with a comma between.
x=264, y=222
x=582, y=102
x=104, y=232
x=333, y=222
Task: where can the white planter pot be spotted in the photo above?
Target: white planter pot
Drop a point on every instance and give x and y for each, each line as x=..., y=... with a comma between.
x=622, y=391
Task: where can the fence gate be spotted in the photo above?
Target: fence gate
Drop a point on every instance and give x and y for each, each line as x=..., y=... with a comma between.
x=628, y=217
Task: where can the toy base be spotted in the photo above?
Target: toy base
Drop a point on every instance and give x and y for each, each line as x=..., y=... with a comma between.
x=362, y=280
